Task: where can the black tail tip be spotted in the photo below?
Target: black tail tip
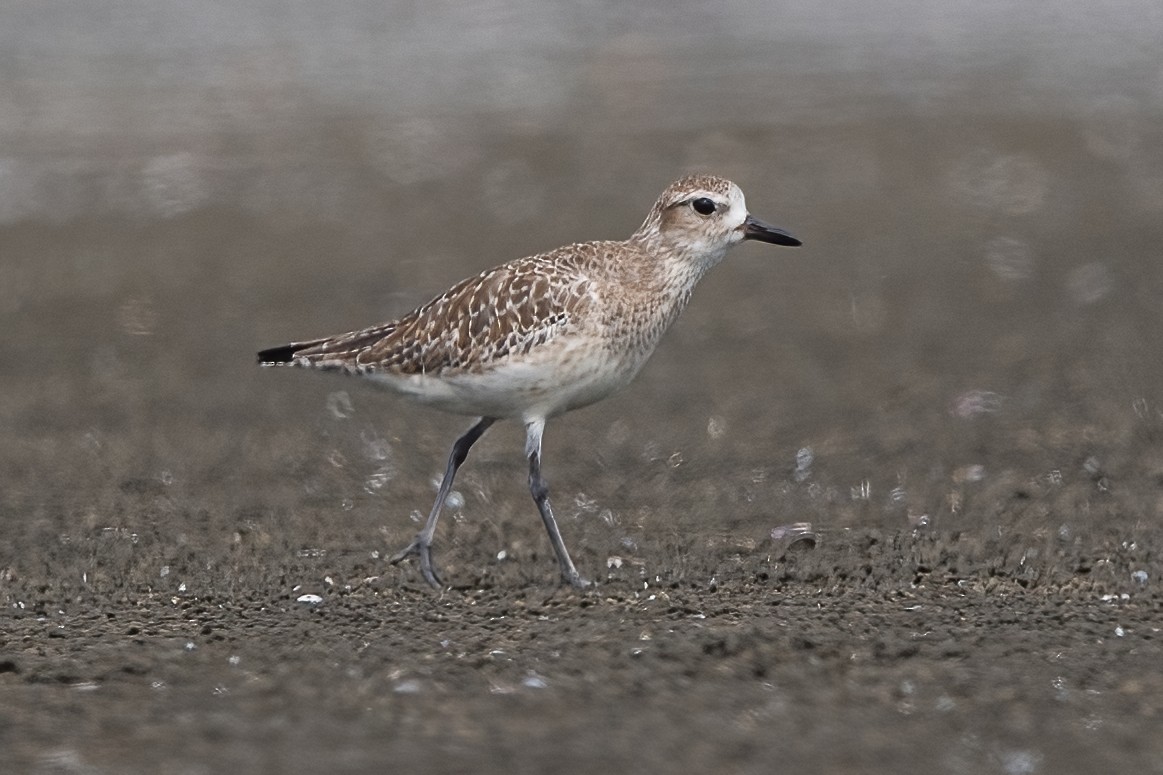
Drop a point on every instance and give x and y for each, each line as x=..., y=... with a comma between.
x=276, y=355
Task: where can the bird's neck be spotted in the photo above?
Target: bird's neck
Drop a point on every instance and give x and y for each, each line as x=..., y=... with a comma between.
x=674, y=269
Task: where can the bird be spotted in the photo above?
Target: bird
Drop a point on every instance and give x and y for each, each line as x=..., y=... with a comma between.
x=539, y=336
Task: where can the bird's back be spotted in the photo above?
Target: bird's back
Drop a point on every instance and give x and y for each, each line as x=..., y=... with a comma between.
x=539, y=334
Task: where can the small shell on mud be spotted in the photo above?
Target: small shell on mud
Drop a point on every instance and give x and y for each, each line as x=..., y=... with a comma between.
x=919, y=521
x=534, y=681
x=407, y=686
x=309, y=599
x=798, y=535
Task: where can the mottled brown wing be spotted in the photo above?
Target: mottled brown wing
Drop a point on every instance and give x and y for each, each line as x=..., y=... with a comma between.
x=503, y=311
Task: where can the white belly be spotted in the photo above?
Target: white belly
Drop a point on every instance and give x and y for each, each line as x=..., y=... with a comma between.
x=547, y=381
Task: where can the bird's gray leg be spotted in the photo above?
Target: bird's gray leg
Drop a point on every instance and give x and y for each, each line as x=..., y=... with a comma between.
x=421, y=545
x=540, y=492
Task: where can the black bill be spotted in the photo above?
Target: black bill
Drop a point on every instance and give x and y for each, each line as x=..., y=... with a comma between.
x=758, y=230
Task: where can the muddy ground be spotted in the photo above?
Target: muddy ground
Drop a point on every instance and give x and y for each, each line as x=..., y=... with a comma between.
x=876, y=651
x=983, y=595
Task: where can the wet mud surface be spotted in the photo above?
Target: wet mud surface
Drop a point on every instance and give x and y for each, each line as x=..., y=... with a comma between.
x=155, y=619
x=983, y=595
x=919, y=653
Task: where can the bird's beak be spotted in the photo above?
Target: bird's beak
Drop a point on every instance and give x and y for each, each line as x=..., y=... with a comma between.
x=755, y=229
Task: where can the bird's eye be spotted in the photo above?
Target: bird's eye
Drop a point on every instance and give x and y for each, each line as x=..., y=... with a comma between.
x=703, y=206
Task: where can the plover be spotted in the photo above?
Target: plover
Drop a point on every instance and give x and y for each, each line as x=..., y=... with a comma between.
x=541, y=335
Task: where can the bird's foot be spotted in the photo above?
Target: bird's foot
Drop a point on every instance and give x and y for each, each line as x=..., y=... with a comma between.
x=420, y=547
x=576, y=580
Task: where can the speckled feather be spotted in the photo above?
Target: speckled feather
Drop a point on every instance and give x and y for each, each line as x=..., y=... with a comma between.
x=503, y=311
x=546, y=333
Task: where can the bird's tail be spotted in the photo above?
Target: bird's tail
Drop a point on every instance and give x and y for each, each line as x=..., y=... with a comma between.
x=329, y=353
x=285, y=354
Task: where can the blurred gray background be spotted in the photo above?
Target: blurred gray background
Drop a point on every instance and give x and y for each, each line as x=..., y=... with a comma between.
x=979, y=187
x=967, y=344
